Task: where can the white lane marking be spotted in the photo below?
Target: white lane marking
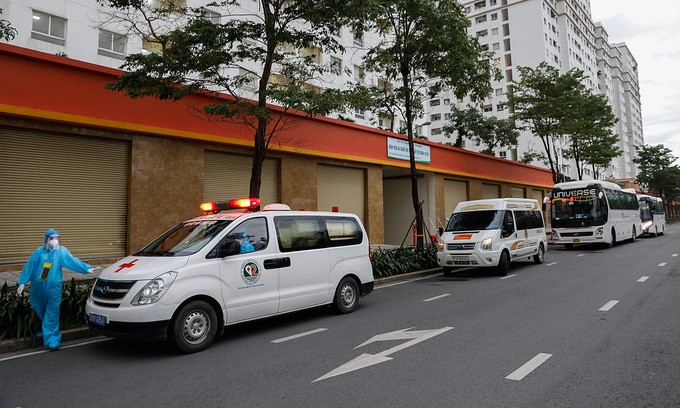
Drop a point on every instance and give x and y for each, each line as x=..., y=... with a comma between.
x=33, y=353
x=401, y=283
x=671, y=232
x=580, y=255
x=297, y=336
x=607, y=307
x=529, y=366
x=551, y=264
x=509, y=276
x=642, y=279
x=674, y=255
x=437, y=297
x=662, y=264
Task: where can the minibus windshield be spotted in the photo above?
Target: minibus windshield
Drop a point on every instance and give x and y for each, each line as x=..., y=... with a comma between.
x=475, y=220
x=185, y=239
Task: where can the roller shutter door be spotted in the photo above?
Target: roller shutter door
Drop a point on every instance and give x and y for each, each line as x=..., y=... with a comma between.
x=537, y=195
x=517, y=192
x=227, y=176
x=77, y=185
x=342, y=187
x=490, y=191
x=454, y=192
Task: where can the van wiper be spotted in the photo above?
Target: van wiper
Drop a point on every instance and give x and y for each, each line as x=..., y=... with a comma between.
x=164, y=253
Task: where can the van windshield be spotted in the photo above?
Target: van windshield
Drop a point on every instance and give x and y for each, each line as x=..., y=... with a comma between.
x=475, y=221
x=185, y=239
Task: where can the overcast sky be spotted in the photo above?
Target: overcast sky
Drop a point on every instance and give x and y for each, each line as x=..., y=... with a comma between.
x=651, y=29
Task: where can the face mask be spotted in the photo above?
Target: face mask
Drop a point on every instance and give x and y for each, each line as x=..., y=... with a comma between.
x=54, y=243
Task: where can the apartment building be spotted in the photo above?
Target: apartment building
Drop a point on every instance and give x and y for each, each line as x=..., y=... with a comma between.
x=563, y=34
x=518, y=32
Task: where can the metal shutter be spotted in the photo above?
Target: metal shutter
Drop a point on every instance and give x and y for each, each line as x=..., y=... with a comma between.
x=454, y=192
x=227, y=176
x=77, y=185
x=517, y=192
x=490, y=191
x=342, y=187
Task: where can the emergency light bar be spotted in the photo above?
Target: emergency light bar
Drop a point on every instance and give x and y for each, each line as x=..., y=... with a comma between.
x=249, y=204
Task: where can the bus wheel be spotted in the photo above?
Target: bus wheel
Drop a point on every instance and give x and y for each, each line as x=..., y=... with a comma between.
x=613, y=241
x=540, y=256
x=634, y=238
x=568, y=247
x=503, y=264
x=656, y=232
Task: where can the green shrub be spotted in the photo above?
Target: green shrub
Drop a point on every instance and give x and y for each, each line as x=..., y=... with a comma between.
x=388, y=262
x=18, y=320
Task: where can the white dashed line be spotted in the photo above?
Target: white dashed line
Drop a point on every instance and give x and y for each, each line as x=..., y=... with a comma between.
x=509, y=276
x=297, y=336
x=48, y=351
x=437, y=297
x=530, y=366
x=607, y=307
x=642, y=279
x=674, y=255
x=580, y=255
x=551, y=264
x=662, y=264
x=402, y=282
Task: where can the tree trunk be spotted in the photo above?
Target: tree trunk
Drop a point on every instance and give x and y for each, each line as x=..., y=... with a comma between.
x=259, y=154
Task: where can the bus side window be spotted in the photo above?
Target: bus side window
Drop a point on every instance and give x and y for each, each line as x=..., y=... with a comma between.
x=508, y=225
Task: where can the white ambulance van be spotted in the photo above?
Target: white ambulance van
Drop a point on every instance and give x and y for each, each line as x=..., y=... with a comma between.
x=230, y=267
x=492, y=233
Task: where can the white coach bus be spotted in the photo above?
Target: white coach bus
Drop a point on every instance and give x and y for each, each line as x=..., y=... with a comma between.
x=593, y=211
x=652, y=215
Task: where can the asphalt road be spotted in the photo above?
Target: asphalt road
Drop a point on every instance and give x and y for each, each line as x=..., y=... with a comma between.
x=585, y=329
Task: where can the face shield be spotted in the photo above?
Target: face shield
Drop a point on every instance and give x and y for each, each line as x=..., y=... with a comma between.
x=53, y=241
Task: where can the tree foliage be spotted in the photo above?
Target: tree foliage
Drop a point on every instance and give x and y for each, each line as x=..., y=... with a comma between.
x=268, y=56
x=464, y=124
x=471, y=124
x=657, y=173
x=564, y=114
x=7, y=32
x=424, y=48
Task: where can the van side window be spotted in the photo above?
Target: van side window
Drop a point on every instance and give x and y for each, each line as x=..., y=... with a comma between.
x=343, y=231
x=528, y=219
x=252, y=235
x=299, y=233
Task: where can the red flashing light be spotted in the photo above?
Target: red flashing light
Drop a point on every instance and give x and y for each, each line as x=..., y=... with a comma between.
x=244, y=203
x=334, y=208
x=209, y=207
x=251, y=204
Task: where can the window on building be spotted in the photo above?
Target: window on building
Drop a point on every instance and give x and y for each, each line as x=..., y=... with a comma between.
x=360, y=114
x=500, y=107
x=336, y=65
x=496, y=46
x=358, y=74
x=435, y=117
x=358, y=38
x=494, y=31
x=435, y=102
x=48, y=28
x=112, y=44
x=447, y=101
x=480, y=4
x=487, y=108
x=447, y=116
x=251, y=80
x=467, y=9
x=494, y=16
x=482, y=33
x=312, y=54
x=499, y=91
x=436, y=131
x=503, y=154
x=150, y=45
x=210, y=15
x=480, y=19
x=493, y=2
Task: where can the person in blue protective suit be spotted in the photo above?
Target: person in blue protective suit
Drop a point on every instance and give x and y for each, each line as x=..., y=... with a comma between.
x=246, y=246
x=43, y=271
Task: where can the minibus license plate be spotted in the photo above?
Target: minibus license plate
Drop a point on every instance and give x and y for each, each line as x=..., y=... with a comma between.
x=99, y=320
x=460, y=259
x=576, y=240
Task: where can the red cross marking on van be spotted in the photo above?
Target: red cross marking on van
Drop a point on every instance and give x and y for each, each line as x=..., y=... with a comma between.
x=126, y=265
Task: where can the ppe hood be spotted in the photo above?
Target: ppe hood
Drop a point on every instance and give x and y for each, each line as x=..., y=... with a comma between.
x=143, y=267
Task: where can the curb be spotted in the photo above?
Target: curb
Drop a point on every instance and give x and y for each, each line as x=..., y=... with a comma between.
x=9, y=346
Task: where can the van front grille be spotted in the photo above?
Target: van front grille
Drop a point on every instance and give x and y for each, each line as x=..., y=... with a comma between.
x=460, y=247
x=111, y=290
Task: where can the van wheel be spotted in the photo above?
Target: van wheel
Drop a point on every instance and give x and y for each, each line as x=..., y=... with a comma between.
x=448, y=271
x=568, y=247
x=194, y=327
x=346, y=296
x=540, y=256
x=503, y=264
x=662, y=230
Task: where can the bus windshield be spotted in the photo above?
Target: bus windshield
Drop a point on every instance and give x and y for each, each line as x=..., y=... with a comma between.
x=475, y=221
x=578, y=211
x=646, y=209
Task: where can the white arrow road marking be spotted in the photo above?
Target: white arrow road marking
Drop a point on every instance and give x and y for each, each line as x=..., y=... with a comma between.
x=642, y=279
x=297, y=336
x=437, y=297
x=509, y=276
x=662, y=264
x=607, y=307
x=529, y=366
x=367, y=360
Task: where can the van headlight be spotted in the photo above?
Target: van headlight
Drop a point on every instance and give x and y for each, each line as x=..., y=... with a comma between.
x=599, y=232
x=440, y=246
x=153, y=290
x=486, y=245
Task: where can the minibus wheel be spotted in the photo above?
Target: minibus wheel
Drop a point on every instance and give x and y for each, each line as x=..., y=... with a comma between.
x=346, y=296
x=540, y=256
x=448, y=271
x=568, y=247
x=503, y=264
x=194, y=327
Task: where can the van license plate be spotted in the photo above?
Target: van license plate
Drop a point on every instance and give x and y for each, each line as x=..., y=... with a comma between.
x=576, y=240
x=460, y=259
x=99, y=320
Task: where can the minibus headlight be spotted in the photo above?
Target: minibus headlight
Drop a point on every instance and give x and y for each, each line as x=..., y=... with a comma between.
x=599, y=232
x=440, y=246
x=153, y=290
x=486, y=245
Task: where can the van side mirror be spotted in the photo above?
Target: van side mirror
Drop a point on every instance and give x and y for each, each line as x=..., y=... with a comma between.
x=227, y=248
x=543, y=207
x=441, y=231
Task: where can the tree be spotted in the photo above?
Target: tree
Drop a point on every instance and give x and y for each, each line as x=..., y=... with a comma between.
x=7, y=32
x=424, y=47
x=657, y=173
x=464, y=123
x=590, y=132
x=272, y=56
x=543, y=102
x=496, y=133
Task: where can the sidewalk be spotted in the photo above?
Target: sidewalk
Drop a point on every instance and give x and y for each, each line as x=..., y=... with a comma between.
x=9, y=346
